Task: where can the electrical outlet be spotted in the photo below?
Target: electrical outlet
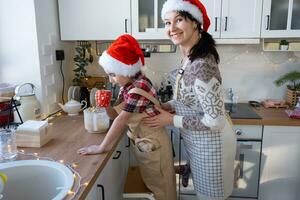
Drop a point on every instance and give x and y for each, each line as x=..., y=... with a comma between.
x=60, y=54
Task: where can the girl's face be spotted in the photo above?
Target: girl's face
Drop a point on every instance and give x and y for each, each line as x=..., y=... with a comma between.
x=181, y=31
x=118, y=79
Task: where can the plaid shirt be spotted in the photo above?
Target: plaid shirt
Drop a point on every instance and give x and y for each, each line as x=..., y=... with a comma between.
x=136, y=103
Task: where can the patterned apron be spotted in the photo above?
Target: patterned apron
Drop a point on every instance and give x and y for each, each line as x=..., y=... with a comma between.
x=211, y=153
x=153, y=151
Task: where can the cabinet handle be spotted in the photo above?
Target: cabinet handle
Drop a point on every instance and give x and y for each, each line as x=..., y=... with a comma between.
x=128, y=144
x=102, y=190
x=245, y=146
x=268, y=22
x=117, y=156
x=226, y=19
x=216, y=24
x=242, y=158
x=126, y=31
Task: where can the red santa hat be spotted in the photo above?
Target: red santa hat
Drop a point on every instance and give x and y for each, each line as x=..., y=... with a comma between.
x=194, y=7
x=123, y=57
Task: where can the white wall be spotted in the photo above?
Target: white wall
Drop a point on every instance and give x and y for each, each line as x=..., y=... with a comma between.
x=19, y=61
x=245, y=68
x=49, y=42
x=29, y=36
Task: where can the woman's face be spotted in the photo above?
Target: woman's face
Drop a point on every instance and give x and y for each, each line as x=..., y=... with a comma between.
x=118, y=79
x=180, y=30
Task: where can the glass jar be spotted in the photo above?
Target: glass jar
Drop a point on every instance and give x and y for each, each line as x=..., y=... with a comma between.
x=8, y=146
x=96, y=120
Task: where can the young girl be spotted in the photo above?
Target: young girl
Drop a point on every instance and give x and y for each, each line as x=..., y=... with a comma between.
x=200, y=115
x=122, y=62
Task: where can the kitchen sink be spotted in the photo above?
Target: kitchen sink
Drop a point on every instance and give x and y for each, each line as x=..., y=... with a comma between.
x=36, y=180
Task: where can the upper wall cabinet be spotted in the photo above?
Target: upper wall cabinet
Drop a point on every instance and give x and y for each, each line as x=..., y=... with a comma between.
x=93, y=19
x=281, y=18
x=146, y=19
x=234, y=18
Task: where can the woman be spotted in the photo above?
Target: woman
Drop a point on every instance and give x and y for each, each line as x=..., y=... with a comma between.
x=122, y=62
x=200, y=115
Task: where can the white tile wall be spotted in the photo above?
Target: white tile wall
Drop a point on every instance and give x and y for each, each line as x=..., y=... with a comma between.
x=245, y=68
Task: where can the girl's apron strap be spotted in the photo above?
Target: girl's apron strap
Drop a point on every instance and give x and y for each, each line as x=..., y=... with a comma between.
x=144, y=94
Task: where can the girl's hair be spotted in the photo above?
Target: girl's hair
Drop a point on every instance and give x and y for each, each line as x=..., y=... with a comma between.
x=205, y=46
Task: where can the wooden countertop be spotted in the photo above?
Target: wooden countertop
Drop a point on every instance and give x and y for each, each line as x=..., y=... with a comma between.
x=270, y=116
x=69, y=135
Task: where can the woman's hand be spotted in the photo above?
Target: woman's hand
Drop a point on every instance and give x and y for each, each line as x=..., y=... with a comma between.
x=92, y=149
x=163, y=119
x=166, y=107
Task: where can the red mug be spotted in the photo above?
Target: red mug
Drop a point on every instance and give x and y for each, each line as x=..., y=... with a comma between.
x=103, y=98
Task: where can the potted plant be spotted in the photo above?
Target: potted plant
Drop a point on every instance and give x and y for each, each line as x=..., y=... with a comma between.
x=81, y=59
x=293, y=89
x=283, y=45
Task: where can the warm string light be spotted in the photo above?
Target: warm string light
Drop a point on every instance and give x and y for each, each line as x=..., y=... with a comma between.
x=76, y=175
x=291, y=58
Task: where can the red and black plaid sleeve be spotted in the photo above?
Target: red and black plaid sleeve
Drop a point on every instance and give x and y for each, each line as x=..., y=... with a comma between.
x=136, y=103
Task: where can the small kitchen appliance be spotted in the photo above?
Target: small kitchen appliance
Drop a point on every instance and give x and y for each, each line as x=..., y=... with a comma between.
x=30, y=107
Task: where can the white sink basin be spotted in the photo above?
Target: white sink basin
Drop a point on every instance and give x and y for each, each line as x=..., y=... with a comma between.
x=36, y=180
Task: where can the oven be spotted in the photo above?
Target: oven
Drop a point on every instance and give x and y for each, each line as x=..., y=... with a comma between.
x=248, y=156
x=247, y=164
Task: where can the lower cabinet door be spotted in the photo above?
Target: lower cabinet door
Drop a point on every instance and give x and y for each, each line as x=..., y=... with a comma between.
x=110, y=183
x=92, y=194
x=280, y=174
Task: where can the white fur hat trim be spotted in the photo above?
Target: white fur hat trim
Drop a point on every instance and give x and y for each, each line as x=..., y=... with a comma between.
x=180, y=5
x=112, y=65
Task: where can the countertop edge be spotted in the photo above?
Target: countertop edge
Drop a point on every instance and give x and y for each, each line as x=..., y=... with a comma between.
x=88, y=188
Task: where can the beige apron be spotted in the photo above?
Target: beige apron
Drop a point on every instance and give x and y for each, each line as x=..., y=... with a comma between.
x=153, y=152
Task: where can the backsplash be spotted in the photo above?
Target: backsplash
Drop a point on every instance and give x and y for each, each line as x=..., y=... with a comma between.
x=245, y=68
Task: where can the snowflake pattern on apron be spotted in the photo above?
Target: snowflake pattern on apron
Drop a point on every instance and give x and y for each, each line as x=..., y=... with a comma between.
x=199, y=95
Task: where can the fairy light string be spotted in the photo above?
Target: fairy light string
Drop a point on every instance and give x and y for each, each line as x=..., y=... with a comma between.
x=76, y=176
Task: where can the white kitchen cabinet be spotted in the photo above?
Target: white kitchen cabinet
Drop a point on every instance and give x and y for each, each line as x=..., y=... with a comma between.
x=280, y=163
x=93, y=19
x=146, y=19
x=281, y=19
x=234, y=18
x=110, y=183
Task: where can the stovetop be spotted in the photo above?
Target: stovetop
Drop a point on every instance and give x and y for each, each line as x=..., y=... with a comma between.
x=241, y=111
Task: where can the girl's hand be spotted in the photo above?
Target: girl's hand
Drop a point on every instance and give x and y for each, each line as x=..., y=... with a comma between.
x=92, y=149
x=163, y=119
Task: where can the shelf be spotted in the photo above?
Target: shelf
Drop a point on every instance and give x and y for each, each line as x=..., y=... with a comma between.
x=150, y=46
x=274, y=45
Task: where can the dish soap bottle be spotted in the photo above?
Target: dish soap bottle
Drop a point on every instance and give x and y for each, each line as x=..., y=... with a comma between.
x=3, y=179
